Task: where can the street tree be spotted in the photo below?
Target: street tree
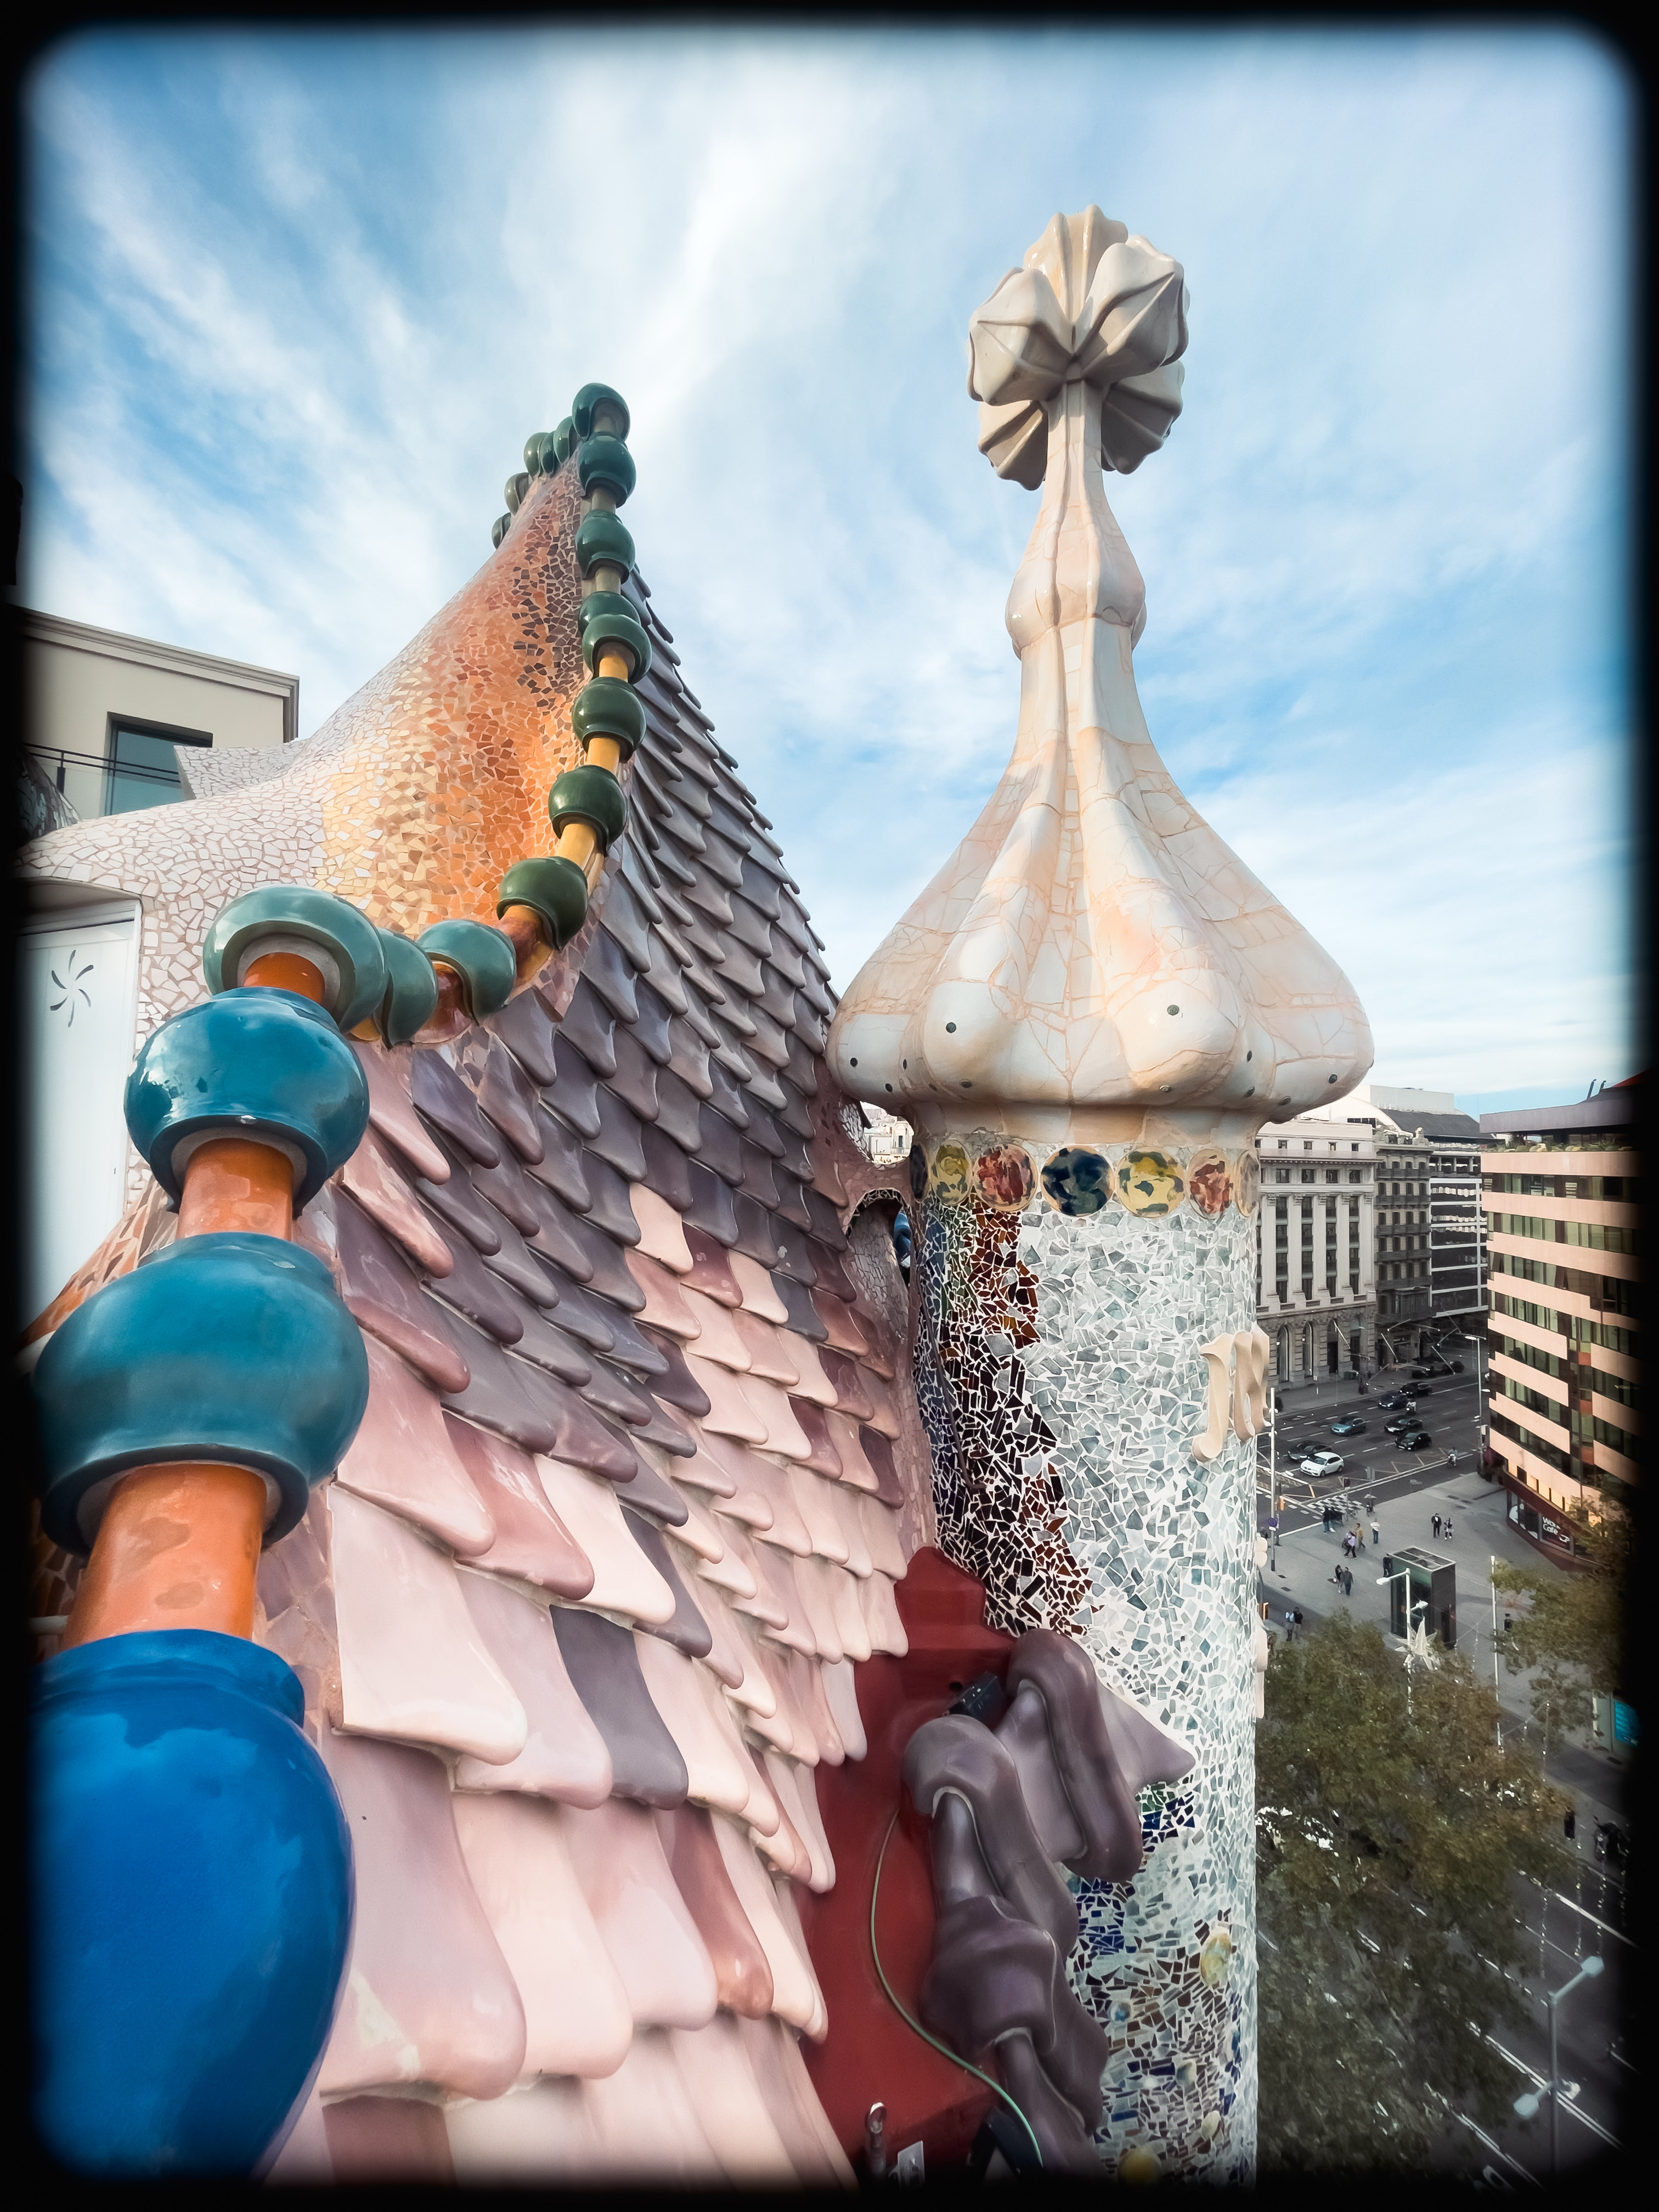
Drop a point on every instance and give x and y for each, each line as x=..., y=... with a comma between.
x=1389, y=1828
x=1569, y=1623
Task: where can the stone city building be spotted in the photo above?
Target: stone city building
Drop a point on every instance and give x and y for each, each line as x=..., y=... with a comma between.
x=1560, y=1190
x=1315, y=1263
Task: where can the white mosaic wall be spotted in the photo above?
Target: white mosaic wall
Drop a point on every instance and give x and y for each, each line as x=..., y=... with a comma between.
x=1116, y=1391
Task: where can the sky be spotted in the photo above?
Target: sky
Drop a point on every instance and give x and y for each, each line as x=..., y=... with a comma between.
x=294, y=300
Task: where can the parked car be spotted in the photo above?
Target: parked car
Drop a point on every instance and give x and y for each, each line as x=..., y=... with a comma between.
x=1352, y=1426
x=1392, y=1402
x=1416, y=1441
x=1439, y=1367
x=1402, y=1425
x=1324, y=1463
x=1411, y=1392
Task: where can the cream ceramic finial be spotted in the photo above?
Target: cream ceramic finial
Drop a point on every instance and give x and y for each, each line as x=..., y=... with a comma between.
x=1091, y=943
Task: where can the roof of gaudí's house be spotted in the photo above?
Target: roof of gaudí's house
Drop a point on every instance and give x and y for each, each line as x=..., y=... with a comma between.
x=576, y=1618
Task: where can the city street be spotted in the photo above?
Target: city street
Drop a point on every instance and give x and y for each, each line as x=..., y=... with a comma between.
x=1582, y=1912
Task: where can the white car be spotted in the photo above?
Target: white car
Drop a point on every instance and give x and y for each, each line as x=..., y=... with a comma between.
x=1324, y=1462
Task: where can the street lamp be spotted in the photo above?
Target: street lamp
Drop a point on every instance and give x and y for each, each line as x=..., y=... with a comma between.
x=1528, y=2105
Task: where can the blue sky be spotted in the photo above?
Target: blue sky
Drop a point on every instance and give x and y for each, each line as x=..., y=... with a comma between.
x=297, y=300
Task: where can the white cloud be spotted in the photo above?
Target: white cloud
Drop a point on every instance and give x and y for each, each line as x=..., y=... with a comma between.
x=298, y=298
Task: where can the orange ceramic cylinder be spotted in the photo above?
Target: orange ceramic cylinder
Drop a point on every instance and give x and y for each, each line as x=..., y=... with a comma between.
x=286, y=971
x=235, y=1183
x=178, y=1547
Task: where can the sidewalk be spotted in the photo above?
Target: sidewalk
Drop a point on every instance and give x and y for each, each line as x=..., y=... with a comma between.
x=1481, y=1530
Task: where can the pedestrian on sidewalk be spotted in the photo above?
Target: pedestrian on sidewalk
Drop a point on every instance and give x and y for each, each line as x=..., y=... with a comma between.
x=1376, y=1534
x=1435, y=1524
x=1446, y=1530
x=1347, y=1583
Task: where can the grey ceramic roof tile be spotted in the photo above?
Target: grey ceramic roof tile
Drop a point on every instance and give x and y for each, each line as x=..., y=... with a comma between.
x=678, y=1110
x=384, y=1293
x=763, y=1085
x=444, y=1103
x=560, y=1167
x=769, y=1042
x=687, y=1631
x=604, y=1271
x=586, y=1024
x=739, y=968
x=826, y=1222
x=457, y=1203
x=664, y=973
x=789, y=962
x=792, y=1114
x=790, y=1201
x=723, y=860
x=579, y=1314
x=758, y=1178
x=761, y=1129
x=719, y=1146
x=711, y=1271
x=755, y=1238
x=504, y=1092
x=759, y=888
x=514, y=1265
x=795, y=1258
x=525, y=1028
x=635, y=1080
x=604, y=1668
x=499, y=1395
x=777, y=999
x=648, y=1492
x=664, y=1168
x=548, y=1346
x=879, y=1453
x=609, y=1392
x=610, y=1210
x=617, y=1140
x=636, y=1349
x=606, y=969
x=707, y=895
x=830, y=1274
x=726, y=1097
x=824, y=1458
x=623, y=918
x=675, y=866
x=649, y=1030
x=688, y=1060
x=797, y=1155
x=676, y=1385
x=471, y=1290
x=710, y=1209
x=509, y=1190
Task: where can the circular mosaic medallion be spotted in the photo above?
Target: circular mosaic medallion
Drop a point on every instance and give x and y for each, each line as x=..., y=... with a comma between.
x=950, y=1179
x=1005, y=1179
x=918, y=1171
x=1077, y=1181
x=1247, y=1184
x=1151, y=1184
x=1209, y=1185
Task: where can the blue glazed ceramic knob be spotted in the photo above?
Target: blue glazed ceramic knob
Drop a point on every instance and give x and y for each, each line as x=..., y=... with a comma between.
x=482, y=956
x=263, y=1064
x=193, y=1904
x=342, y=943
x=232, y=1349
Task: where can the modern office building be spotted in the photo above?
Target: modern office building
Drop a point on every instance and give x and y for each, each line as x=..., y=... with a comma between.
x=1316, y=1262
x=1560, y=1191
x=114, y=723
x=1457, y=1299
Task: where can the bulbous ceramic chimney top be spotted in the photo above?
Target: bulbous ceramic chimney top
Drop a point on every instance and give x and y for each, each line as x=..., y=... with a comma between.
x=1091, y=943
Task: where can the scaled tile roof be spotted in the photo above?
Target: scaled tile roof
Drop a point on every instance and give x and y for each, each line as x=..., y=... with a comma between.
x=577, y=1619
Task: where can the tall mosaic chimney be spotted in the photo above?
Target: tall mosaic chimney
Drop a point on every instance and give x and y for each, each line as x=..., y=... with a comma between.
x=1086, y=1017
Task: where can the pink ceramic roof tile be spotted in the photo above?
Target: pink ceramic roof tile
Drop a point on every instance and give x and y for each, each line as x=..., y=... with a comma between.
x=644, y=2125
x=752, y=1693
x=776, y=1570
x=730, y=1413
x=697, y=1534
x=885, y=1420
x=783, y=1433
x=531, y=1543
x=812, y=1382
x=713, y=1776
x=816, y=1609
x=662, y=1234
x=756, y=1285
x=881, y=1616
x=855, y=1467
x=577, y=2018
x=651, y=1937
x=446, y=2009
x=881, y=1532
x=851, y=1395
x=840, y=1689
x=624, y=1580
x=564, y=1754
x=402, y=1458
x=392, y=1113
x=714, y=2065
x=375, y=1184
x=848, y=1508
x=789, y=1913
x=852, y=1629
x=717, y=1338
x=769, y=1348
x=814, y=1497
x=793, y=2104
x=795, y=1997
x=726, y=1659
x=797, y=1796
x=842, y=1321
x=412, y=1665
x=742, y=1976
x=664, y=1306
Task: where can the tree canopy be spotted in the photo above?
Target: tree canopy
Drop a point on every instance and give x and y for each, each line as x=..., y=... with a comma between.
x=1570, y=1626
x=1389, y=1828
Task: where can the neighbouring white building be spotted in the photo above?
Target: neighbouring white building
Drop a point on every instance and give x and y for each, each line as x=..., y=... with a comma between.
x=112, y=723
x=1316, y=1268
